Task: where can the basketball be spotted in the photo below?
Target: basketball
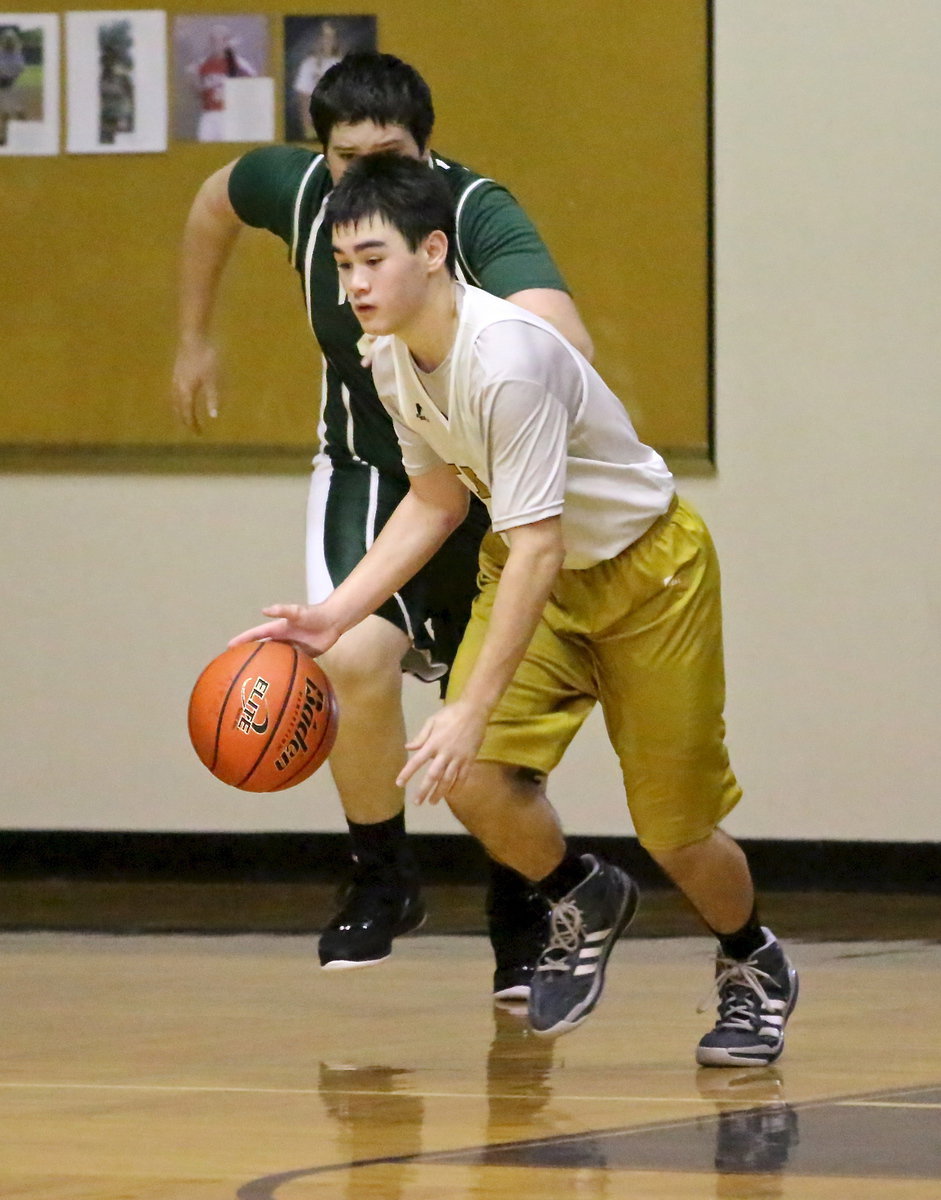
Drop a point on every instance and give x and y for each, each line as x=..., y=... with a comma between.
x=263, y=716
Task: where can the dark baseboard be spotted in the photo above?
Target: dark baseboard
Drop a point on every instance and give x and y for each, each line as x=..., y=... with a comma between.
x=103, y=856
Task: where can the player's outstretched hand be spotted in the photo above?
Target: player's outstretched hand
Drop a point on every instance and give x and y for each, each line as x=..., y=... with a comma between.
x=306, y=624
x=196, y=384
x=447, y=744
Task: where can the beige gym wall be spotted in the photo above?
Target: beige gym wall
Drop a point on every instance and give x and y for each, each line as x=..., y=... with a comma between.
x=116, y=589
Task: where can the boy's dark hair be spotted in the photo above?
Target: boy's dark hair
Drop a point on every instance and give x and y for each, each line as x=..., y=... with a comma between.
x=404, y=192
x=368, y=86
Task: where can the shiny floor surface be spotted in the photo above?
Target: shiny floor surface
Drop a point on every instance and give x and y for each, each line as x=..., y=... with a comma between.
x=189, y=1068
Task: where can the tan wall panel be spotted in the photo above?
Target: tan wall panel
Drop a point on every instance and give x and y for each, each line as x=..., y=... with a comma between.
x=593, y=113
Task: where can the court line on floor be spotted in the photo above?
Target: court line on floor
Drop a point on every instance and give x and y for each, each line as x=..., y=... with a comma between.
x=879, y=1104
x=221, y=1089
x=23, y=1085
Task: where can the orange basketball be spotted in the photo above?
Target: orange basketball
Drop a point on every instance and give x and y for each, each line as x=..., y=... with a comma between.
x=263, y=716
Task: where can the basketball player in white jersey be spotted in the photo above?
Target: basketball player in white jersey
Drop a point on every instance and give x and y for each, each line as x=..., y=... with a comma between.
x=601, y=586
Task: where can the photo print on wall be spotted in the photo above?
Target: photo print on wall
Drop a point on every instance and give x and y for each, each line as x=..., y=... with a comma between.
x=312, y=44
x=116, y=82
x=222, y=85
x=29, y=83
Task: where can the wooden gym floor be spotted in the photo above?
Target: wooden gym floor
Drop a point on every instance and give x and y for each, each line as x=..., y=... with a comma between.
x=208, y=1067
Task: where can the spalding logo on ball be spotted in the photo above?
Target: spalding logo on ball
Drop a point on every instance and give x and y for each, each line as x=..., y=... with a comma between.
x=263, y=716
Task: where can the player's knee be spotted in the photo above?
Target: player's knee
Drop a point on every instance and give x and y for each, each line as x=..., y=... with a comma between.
x=490, y=787
x=686, y=850
x=466, y=795
x=357, y=668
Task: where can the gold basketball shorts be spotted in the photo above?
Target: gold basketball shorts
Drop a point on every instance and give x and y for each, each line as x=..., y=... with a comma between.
x=641, y=634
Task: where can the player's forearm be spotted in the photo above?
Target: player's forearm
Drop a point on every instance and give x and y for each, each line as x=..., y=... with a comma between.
x=208, y=238
x=525, y=583
x=411, y=536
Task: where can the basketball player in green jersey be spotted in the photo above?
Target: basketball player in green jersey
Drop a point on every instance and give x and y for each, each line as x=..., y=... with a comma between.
x=371, y=103
x=602, y=586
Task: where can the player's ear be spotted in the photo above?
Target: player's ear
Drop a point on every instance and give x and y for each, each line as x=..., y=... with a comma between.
x=436, y=249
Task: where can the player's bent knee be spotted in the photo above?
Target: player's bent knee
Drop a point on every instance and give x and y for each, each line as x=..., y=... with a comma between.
x=366, y=660
x=466, y=795
x=486, y=786
x=688, y=848
x=356, y=673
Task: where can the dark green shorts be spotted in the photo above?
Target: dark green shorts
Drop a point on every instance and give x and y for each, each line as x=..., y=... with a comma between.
x=349, y=504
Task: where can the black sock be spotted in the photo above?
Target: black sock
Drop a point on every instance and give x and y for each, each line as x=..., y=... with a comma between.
x=743, y=942
x=570, y=872
x=514, y=903
x=384, y=845
x=505, y=884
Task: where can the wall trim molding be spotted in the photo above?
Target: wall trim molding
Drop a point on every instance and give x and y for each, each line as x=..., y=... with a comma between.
x=133, y=856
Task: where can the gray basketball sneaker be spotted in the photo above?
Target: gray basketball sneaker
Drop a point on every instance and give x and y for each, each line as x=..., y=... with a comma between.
x=583, y=928
x=756, y=997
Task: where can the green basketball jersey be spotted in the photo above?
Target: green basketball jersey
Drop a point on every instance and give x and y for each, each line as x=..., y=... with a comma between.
x=284, y=189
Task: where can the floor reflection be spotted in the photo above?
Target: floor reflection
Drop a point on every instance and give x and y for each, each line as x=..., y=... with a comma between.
x=518, y=1069
x=746, y=1140
x=756, y=1130
x=519, y=1088
x=377, y=1117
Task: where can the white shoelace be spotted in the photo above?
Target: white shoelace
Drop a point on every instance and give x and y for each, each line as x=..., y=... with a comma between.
x=740, y=1013
x=564, y=939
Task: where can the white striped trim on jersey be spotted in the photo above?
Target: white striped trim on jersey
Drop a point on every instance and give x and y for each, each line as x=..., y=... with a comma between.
x=464, y=273
x=458, y=248
x=296, y=224
x=309, y=299
x=308, y=259
x=345, y=398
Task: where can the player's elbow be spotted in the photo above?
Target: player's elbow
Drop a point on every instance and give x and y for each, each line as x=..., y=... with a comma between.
x=455, y=513
x=440, y=497
x=212, y=204
x=576, y=334
x=583, y=343
x=441, y=511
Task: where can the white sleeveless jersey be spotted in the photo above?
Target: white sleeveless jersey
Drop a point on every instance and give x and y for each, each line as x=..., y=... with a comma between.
x=529, y=426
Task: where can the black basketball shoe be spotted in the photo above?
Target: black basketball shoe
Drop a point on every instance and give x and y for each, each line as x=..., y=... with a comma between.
x=518, y=925
x=380, y=904
x=584, y=926
x=756, y=997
